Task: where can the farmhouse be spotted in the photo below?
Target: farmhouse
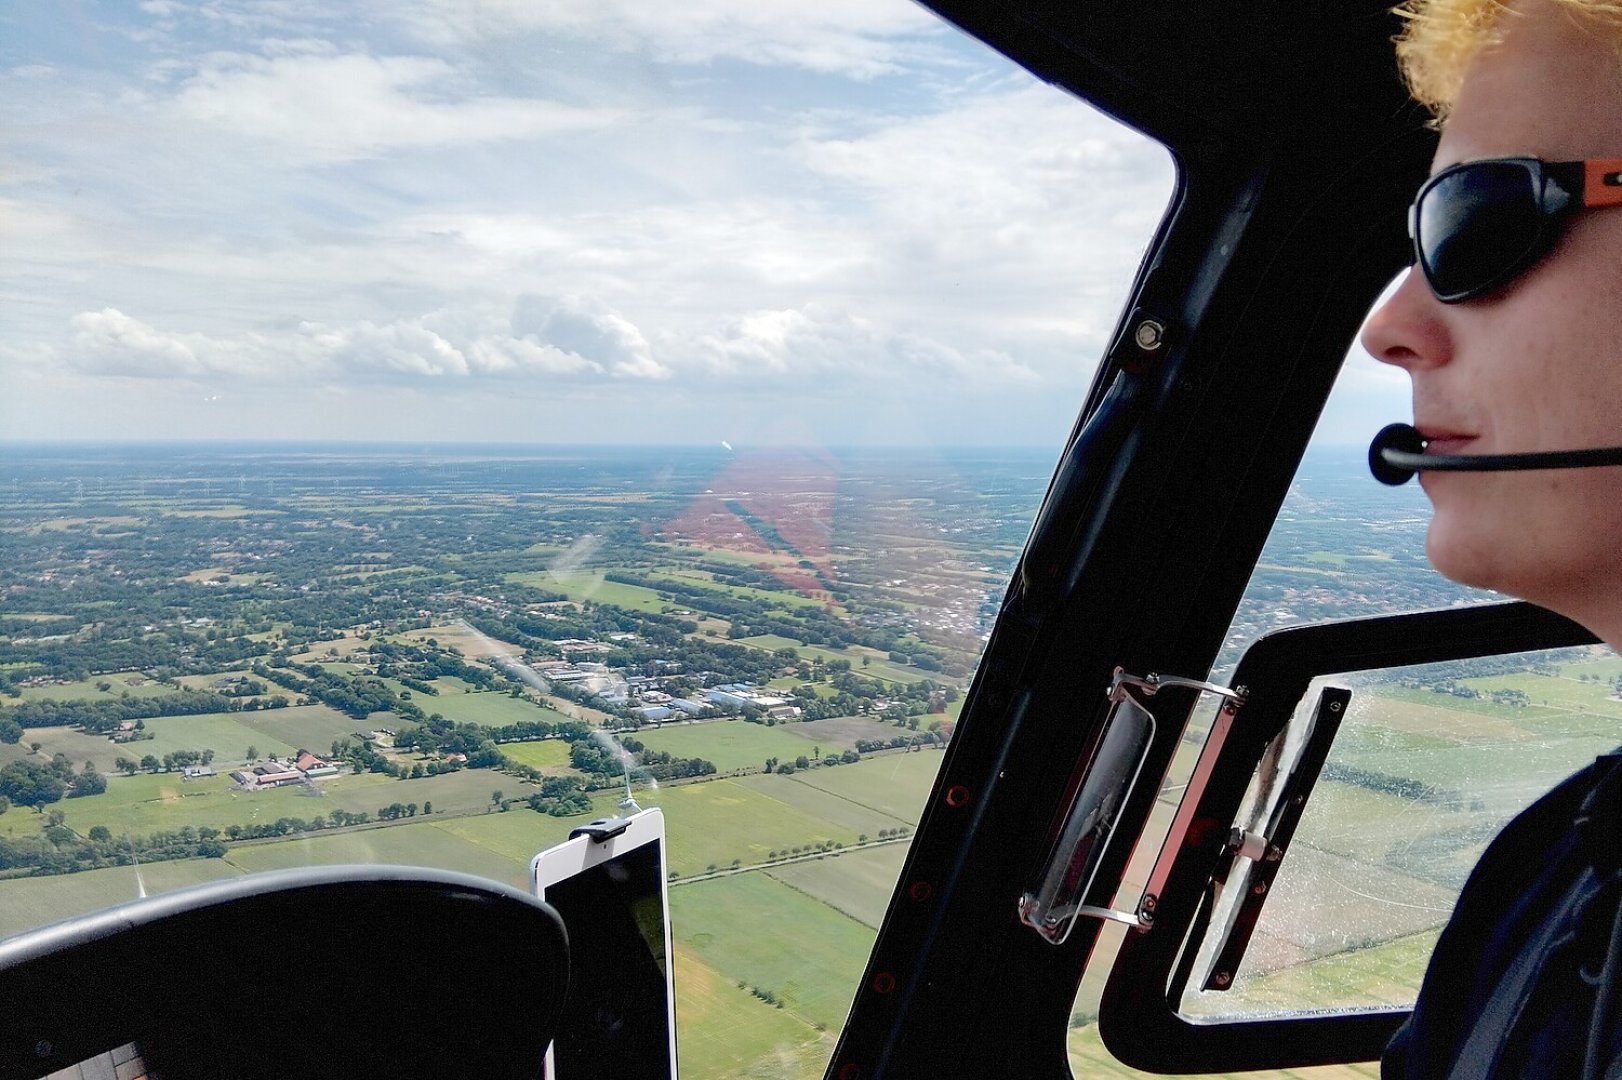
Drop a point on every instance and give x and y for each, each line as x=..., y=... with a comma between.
x=276, y=774
x=314, y=767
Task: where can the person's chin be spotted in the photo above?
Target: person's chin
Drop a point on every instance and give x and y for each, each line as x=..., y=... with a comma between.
x=1462, y=552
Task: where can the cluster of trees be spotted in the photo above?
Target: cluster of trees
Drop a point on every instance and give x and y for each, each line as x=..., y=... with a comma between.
x=32, y=783
x=607, y=766
x=821, y=847
x=395, y=811
x=417, y=666
x=100, y=716
x=151, y=763
x=355, y=697
x=1402, y=786
x=868, y=746
x=57, y=849
x=783, y=768
x=560, y=796
x=1502, y=696
x=765, y=995
x=292, y=826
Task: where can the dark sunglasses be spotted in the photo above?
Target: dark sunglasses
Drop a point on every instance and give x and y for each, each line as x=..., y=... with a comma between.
x=1479, y=224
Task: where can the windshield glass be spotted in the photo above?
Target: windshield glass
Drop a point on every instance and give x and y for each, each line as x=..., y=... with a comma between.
x=423, y=425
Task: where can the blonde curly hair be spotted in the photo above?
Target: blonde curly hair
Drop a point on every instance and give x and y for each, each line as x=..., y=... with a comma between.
x=1441, y=37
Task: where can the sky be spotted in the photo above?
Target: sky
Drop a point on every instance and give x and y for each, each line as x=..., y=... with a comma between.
x=558, y=221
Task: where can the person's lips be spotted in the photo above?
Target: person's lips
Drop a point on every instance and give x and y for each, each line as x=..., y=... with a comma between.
x=1440, y=440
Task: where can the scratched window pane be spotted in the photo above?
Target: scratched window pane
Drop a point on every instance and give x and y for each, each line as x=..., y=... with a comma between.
x=1430, y=763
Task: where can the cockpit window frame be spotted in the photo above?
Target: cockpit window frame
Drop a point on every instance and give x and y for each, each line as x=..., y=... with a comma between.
x=1138, y=1016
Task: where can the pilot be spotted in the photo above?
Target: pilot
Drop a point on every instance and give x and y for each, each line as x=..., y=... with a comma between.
x=1510, y=327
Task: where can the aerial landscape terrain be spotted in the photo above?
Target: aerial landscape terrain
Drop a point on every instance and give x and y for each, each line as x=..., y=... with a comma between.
x=217, y=659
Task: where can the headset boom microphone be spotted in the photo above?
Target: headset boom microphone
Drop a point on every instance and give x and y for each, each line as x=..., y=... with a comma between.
x=1398, y=452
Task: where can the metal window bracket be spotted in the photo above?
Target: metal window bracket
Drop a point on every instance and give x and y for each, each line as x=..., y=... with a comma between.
x=1124, y=744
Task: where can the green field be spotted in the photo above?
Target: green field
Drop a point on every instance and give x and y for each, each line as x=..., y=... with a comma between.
x=725, y=1031
x=893, y=785
x=146, y=803
x=770, y=597
x=225, y=733
x=731, y=744
x=420, y=843
x=723, y=820
x=879, y=665
x=590, y=585
x=542, y=754
x=38, y=901
x=856, y=883
x=487, y=707
x=85, y=689
x=776, y=938
x=308, y=727
x=844, y=732
x=842, y=811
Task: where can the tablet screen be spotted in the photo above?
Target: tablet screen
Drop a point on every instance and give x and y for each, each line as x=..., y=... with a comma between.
x=616, y=1020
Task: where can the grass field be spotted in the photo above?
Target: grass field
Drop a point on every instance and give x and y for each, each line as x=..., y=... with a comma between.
x=844, y=732
x=148, y=803
x=487, y=707
x=836, y=810
x=590, y=585
x=855, y=883
x=770, y=597
x=731, y=744
x=724, y=1031
x=85, y=689
x=520, y=832
x=224, y=733
x=29, y=902
x=416, y=844
x=145, y=803
x=1383, y=975
x=311, y=727
x=879, y=665
x=544, y=754
x=776, y=938
x=723, y=820
x=894, y=786
x=464, y=639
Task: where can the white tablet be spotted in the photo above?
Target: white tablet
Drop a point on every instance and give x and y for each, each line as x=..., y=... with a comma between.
x=608, y=883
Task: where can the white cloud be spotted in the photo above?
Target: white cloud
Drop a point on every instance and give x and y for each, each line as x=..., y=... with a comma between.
x=112, y=343
x=334, y=108
x=576, y=337
x=325, y=204
x=856, y=38
x=815, y=340
x=590, y=330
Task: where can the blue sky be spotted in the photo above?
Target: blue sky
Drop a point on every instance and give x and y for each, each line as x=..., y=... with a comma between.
x=570, y=221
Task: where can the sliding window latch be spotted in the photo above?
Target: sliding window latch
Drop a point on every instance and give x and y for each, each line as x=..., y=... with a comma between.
x=1124, y=744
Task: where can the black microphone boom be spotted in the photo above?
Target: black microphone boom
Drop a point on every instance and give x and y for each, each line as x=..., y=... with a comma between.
x=1398, y=452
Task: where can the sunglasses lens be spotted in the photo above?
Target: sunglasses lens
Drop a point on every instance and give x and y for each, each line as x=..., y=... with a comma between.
x=1475, y=225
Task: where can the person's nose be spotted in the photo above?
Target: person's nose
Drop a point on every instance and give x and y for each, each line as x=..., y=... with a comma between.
x=1409, y=329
